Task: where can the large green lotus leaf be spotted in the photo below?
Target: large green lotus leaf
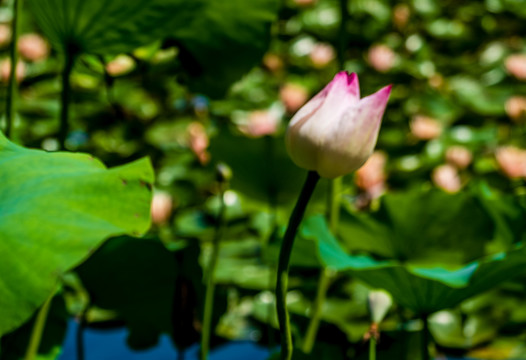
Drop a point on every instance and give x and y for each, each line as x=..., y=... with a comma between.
x=55, y=208
x=422, y=226
x=136, y=279
x=225, y=41
x=424, y=289
x=110, y=26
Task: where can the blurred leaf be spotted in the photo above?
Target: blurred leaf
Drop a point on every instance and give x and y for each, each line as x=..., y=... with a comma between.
x=225, y=41
x=484, y=101
x=136, y=279
x=423, y=289
x=261, y=167
x=450, y=330
x=110, y=27
x=420, y=226
x=55, y=209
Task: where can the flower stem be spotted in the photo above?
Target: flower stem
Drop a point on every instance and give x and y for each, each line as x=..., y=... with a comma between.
x=38, y=329
x=69, y=61
x=210, y=284
x=283, y=264
x=342, y=33
x=372, y=348
x=80, y=334
x=314, y=324
x=334, y=204
x=425, y=338
x=13, y=55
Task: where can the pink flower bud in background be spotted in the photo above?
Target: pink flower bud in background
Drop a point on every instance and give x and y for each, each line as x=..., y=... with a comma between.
x=401, y=13
x=272, y=62
x=516, y=65
x=198, y=141
x=436, y=81
x=33, y=47
x=5, y=34
x=371, y=176
x=336, y=131
x=321, y=55
x=516, y=107
x=512, y=161
x=260, y=123
x=5, y=69
x=293, y=96
x=425, y=128
x=459, y=156
x=381, y=58
x=162, y=206
x=121, y=65
x=446, y=177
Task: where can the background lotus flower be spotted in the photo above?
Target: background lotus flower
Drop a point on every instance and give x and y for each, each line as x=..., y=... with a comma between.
x=459, y=156
x=33, y=47
x=425, y=128
x=336, y=131
x=447, y=178
x=516, y=65
x=381, y=58
x=293, y=96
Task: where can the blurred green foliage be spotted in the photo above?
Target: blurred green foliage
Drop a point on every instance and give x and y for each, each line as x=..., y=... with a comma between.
x=216, y=82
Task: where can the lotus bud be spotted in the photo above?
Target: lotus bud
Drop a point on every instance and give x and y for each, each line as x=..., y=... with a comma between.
x=121, y=65
x=335, y=132
x=273, y=62
x=381, y=58
x=5, y=70
x=5, y=34
x=198, y=141
x=447, y=178
x=161, y=207
x=33, y=47
x=293, y=96
x=379, y=304
x=371, y=176
x=401, y=14
x=516, y=65
x=512, y=161
x=321, y=55
x=260, y=123
x=425, y=128
x=516, y=107
x=459, y=156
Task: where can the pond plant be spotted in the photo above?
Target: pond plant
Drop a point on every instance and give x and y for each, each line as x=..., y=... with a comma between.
x=152, y=155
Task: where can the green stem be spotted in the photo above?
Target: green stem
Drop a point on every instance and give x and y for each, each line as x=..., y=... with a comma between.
x=334, y=204
x=80, y=334
x=342, y=33
x=372, y=348
x=38, y=329
x=13, y=54
x=283, y=264
x=425, y=338
x=210, y=284
x=314, y=324
x=69, y=61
